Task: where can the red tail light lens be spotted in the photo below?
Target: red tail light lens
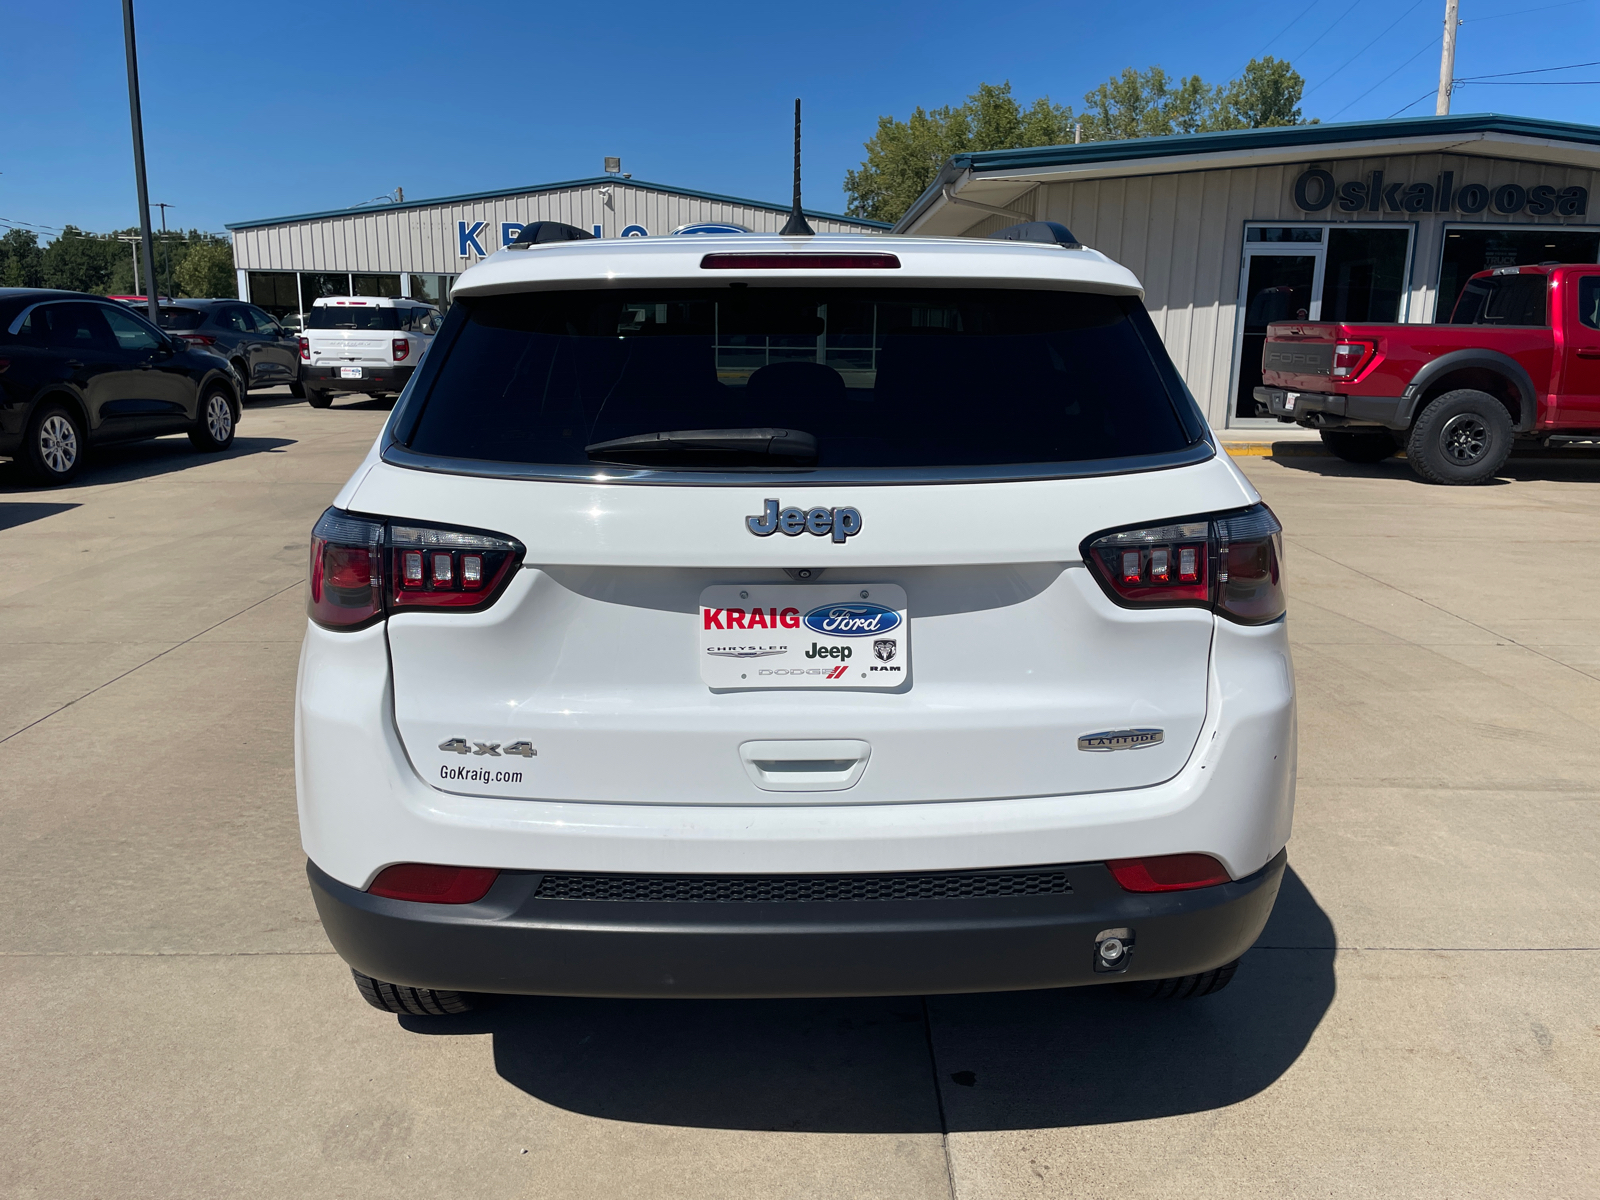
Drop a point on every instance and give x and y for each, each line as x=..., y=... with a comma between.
x=425, y=883
x=346, y=585
x=305, y=348
x=448, y=568
x=1168, y=873
x=1229, y=563
x=364, y=568
x=402, y=347
x=198, y=339
x=1349, y=358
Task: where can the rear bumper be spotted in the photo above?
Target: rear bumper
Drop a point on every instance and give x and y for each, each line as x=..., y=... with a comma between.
x=512, y=941
x=373, y=379
x=1324, y=410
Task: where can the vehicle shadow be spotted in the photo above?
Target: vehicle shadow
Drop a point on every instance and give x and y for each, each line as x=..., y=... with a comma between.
x=1556, y=466
x=140, y=460
x=1017, y=1060
x=12, y=515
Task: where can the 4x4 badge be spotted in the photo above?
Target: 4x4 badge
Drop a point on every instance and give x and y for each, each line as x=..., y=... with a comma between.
x=494, y=749
x=841, y=523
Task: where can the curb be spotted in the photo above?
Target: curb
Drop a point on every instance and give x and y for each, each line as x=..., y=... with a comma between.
x=1276, y=449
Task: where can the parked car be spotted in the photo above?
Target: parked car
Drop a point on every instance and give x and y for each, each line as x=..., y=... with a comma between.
x=368, y=344
x=78, y=371
x=794, y=617
x=262, y=352
x=1518, y=361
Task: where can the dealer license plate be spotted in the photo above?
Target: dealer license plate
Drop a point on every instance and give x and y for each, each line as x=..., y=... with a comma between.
x=349, y=372
x=825, y=636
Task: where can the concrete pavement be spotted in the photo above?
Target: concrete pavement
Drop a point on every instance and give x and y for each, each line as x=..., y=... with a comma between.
x=1419, y=1019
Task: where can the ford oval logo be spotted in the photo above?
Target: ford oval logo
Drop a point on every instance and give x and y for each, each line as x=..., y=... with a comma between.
x=851, y=620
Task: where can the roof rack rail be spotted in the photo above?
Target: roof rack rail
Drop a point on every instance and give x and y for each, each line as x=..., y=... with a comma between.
x=1049, y=232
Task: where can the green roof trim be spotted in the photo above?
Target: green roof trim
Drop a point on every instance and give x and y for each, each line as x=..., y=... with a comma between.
x=469, y=197
x=1312, y=137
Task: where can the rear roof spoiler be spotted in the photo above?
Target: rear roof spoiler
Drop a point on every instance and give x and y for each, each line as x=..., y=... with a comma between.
x=1039, y=231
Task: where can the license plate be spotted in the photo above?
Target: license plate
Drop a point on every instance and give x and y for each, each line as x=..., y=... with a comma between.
x=349, y=372
x=826, y=636
x=1288, y=400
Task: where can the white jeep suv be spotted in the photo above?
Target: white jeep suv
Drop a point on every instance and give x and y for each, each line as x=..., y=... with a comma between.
x=779, y=616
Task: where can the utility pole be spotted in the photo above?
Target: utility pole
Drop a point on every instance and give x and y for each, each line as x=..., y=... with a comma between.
x=166, y=250
x=133, y=244
x=152, y=307
x=1447, y=59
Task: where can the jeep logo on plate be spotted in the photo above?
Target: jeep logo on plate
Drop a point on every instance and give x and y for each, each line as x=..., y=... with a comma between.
x=1120, y=739
x=840, y=523
x=851, y=619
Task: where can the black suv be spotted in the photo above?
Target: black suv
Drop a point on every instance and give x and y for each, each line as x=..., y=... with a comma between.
x=79, y=371
x=262, y=352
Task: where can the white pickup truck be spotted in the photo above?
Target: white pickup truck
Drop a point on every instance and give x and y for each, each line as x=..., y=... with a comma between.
x=368, y=344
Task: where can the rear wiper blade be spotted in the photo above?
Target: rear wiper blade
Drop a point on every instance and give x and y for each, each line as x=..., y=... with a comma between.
x=771, y=443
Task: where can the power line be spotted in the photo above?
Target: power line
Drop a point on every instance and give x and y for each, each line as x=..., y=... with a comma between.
x=1329, y=79
x=1427, y=45
x=1520, y=11
x=1336, y=22
x=1534, y=71
x=1433, y=91
x=1528, y=82
x=1274, y=41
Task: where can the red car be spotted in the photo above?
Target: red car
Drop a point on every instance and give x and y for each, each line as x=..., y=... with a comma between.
x=1519, y=359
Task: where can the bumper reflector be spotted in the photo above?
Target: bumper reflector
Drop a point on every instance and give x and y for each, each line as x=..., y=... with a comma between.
x=1167, y=872
x=429, y=884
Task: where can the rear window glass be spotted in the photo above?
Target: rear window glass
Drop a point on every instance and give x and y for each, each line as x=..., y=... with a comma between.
x=357, y=317
x=879, y=378
x=1503, y=300
x=181, y=318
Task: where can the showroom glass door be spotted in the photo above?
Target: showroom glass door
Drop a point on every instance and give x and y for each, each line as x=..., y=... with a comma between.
x=1281, y=281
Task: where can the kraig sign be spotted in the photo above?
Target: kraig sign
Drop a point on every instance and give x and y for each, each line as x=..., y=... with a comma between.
x=1316, y=190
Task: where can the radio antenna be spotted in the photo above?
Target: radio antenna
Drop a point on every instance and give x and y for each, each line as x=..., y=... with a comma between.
x=797, y=226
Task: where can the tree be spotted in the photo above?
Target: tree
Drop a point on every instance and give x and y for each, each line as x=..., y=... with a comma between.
x=21, y=260
x=205, y=268
x=904, y=156
x=80, y=262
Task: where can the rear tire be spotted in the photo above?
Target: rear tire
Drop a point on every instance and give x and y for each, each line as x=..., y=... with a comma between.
x=1360, y=445
x=410, y=1001
x=1184, y=987
x=1462, y=437
x=317, y=399
x=52, y=448
x=214, y=433
x=297, y=390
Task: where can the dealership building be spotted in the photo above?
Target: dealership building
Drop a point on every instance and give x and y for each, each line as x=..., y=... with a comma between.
x=418, y=247
x=1377, y=221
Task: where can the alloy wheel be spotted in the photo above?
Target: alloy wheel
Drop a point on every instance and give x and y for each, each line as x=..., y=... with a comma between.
x=1464, y=439
x=58, y=443
x=219, y=418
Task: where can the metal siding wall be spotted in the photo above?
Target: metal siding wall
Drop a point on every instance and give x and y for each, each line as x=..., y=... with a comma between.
x=1183, y=236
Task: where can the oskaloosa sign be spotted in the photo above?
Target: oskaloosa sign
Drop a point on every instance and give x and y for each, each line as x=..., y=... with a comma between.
x=1316, y=190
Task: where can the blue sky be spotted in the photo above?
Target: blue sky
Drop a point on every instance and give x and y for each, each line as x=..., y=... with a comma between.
x=268, y=110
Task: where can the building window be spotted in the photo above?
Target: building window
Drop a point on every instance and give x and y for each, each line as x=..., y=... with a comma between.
x=1470, y=249
x=316, y=284
x=375, y=285
x=434, y=289
x=1314, y=273
x=275, y=291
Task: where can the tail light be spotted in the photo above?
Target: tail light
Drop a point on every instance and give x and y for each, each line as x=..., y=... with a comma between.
x=305, y=348
x=365, y=568
x=1168, y=873
x=1349, y=358
x=402, y=348
x=1230, y=563
x=198, y=339
x=428, y=884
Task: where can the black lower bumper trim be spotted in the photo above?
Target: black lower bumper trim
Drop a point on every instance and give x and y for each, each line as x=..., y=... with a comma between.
x=513, y=941
x=373, y=379
x=1331, y=411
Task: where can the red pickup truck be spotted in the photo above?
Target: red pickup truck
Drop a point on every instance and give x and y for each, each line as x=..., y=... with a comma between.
x=1519, y=359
